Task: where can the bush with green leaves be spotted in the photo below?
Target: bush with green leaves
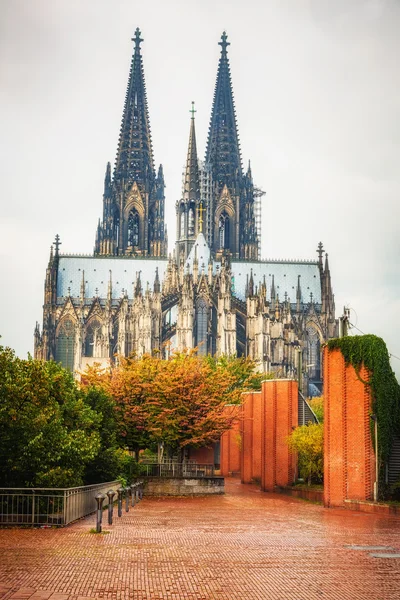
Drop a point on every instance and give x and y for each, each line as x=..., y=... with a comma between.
x=308, y=442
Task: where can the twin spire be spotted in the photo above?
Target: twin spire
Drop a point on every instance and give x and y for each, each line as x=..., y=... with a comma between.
x=135, y=152
x=223, y=148
x=133, y=201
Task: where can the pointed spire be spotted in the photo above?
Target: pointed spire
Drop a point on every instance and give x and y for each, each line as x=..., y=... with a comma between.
x=134, y=161
x=157, y=286
x=107, y=178
x=82, y=290
x=298, y=294
x=223, y=150
x=191, y=187
x=320, y=251
x=273, y=292
x=249, y=175
x=109, y=291
x=160, y=175
x=138, y=285
x=326, y=269
x=251, y=284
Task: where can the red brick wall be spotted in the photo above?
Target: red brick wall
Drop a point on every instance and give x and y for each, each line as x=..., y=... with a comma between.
x=251, y=433
x=230, y=450
x=349, y=461
x=279, y=415
x=204, y=456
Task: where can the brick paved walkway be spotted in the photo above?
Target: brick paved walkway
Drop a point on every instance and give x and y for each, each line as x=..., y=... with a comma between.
x=243, y=545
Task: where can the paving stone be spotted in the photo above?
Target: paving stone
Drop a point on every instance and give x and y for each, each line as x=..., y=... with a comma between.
x=245, y=545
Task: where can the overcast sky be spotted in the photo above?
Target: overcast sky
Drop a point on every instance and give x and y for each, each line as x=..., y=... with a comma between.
x=317, y=91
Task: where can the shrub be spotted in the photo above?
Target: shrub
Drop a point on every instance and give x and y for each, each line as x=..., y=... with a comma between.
x=308, y=442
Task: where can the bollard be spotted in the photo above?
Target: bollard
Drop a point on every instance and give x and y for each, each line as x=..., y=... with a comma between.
x=133, y=486
x=120, y=492
x=127, y=490
x=141, y=490
x=110, y=495
x=99, y=499
x=137, y=492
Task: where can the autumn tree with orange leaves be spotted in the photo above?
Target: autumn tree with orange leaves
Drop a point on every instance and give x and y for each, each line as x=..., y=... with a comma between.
x=186, y=400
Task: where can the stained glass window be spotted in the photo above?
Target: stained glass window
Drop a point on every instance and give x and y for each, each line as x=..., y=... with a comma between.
x=92, y=331
x=65, y=344
x=223, y=225
x=191, y=222
x=182, y=225
x=133, y=228
x=201, y=322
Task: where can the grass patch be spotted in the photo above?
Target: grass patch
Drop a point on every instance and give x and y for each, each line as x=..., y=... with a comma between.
x=93, y=530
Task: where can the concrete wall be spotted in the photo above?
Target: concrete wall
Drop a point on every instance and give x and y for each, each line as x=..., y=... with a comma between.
x=349, y=460
x=179, y=486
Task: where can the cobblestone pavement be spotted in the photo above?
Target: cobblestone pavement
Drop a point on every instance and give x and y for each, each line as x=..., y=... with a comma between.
x=244, y=545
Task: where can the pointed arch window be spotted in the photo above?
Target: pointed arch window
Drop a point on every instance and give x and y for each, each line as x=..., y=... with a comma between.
x=191, y=223
x=116, y=228
x=65, y=344
x=92, y=333
x=201, y=326
x=313, y=354
x=182, y=225
x=223, y=231
x=133, y=228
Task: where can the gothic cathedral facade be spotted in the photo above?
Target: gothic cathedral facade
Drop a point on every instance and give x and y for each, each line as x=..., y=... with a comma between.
x=213, y=292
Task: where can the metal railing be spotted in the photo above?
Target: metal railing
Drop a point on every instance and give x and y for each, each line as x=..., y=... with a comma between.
x=49, y=506
x=176, y=470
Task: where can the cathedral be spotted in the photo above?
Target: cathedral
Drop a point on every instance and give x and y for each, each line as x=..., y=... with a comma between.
x=214, y=292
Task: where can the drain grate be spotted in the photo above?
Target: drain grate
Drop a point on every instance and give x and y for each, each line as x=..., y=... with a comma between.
x=369, y=548
x=385, y=554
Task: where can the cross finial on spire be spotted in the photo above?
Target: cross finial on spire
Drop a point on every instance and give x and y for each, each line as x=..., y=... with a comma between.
x=192, y=110
x=201, y=210
x=320, y=251
x=137, y=39
x=57, y=244
x=223, y=43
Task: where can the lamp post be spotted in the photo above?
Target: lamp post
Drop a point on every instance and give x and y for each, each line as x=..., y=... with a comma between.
x=99, y=499
x=376, y=484
x=120, y=492
x=110, y=495
x=133, y=495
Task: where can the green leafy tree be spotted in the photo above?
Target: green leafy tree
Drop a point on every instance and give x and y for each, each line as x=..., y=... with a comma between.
x=308, y=442
x=112, y=461
x=47, y=431
x=317, y=406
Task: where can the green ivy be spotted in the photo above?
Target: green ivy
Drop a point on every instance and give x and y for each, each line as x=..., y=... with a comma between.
x=371, y=351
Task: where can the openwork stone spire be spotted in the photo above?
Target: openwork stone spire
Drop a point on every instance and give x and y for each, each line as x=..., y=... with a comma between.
x=192, y=183
x=189, y=211
x=134, y=161
x=223, y=149
x=133, y=200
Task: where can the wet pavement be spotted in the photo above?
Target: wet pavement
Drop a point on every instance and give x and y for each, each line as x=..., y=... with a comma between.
x=243, y=545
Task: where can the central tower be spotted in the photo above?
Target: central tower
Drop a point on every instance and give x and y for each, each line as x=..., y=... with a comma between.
x=133, y=200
